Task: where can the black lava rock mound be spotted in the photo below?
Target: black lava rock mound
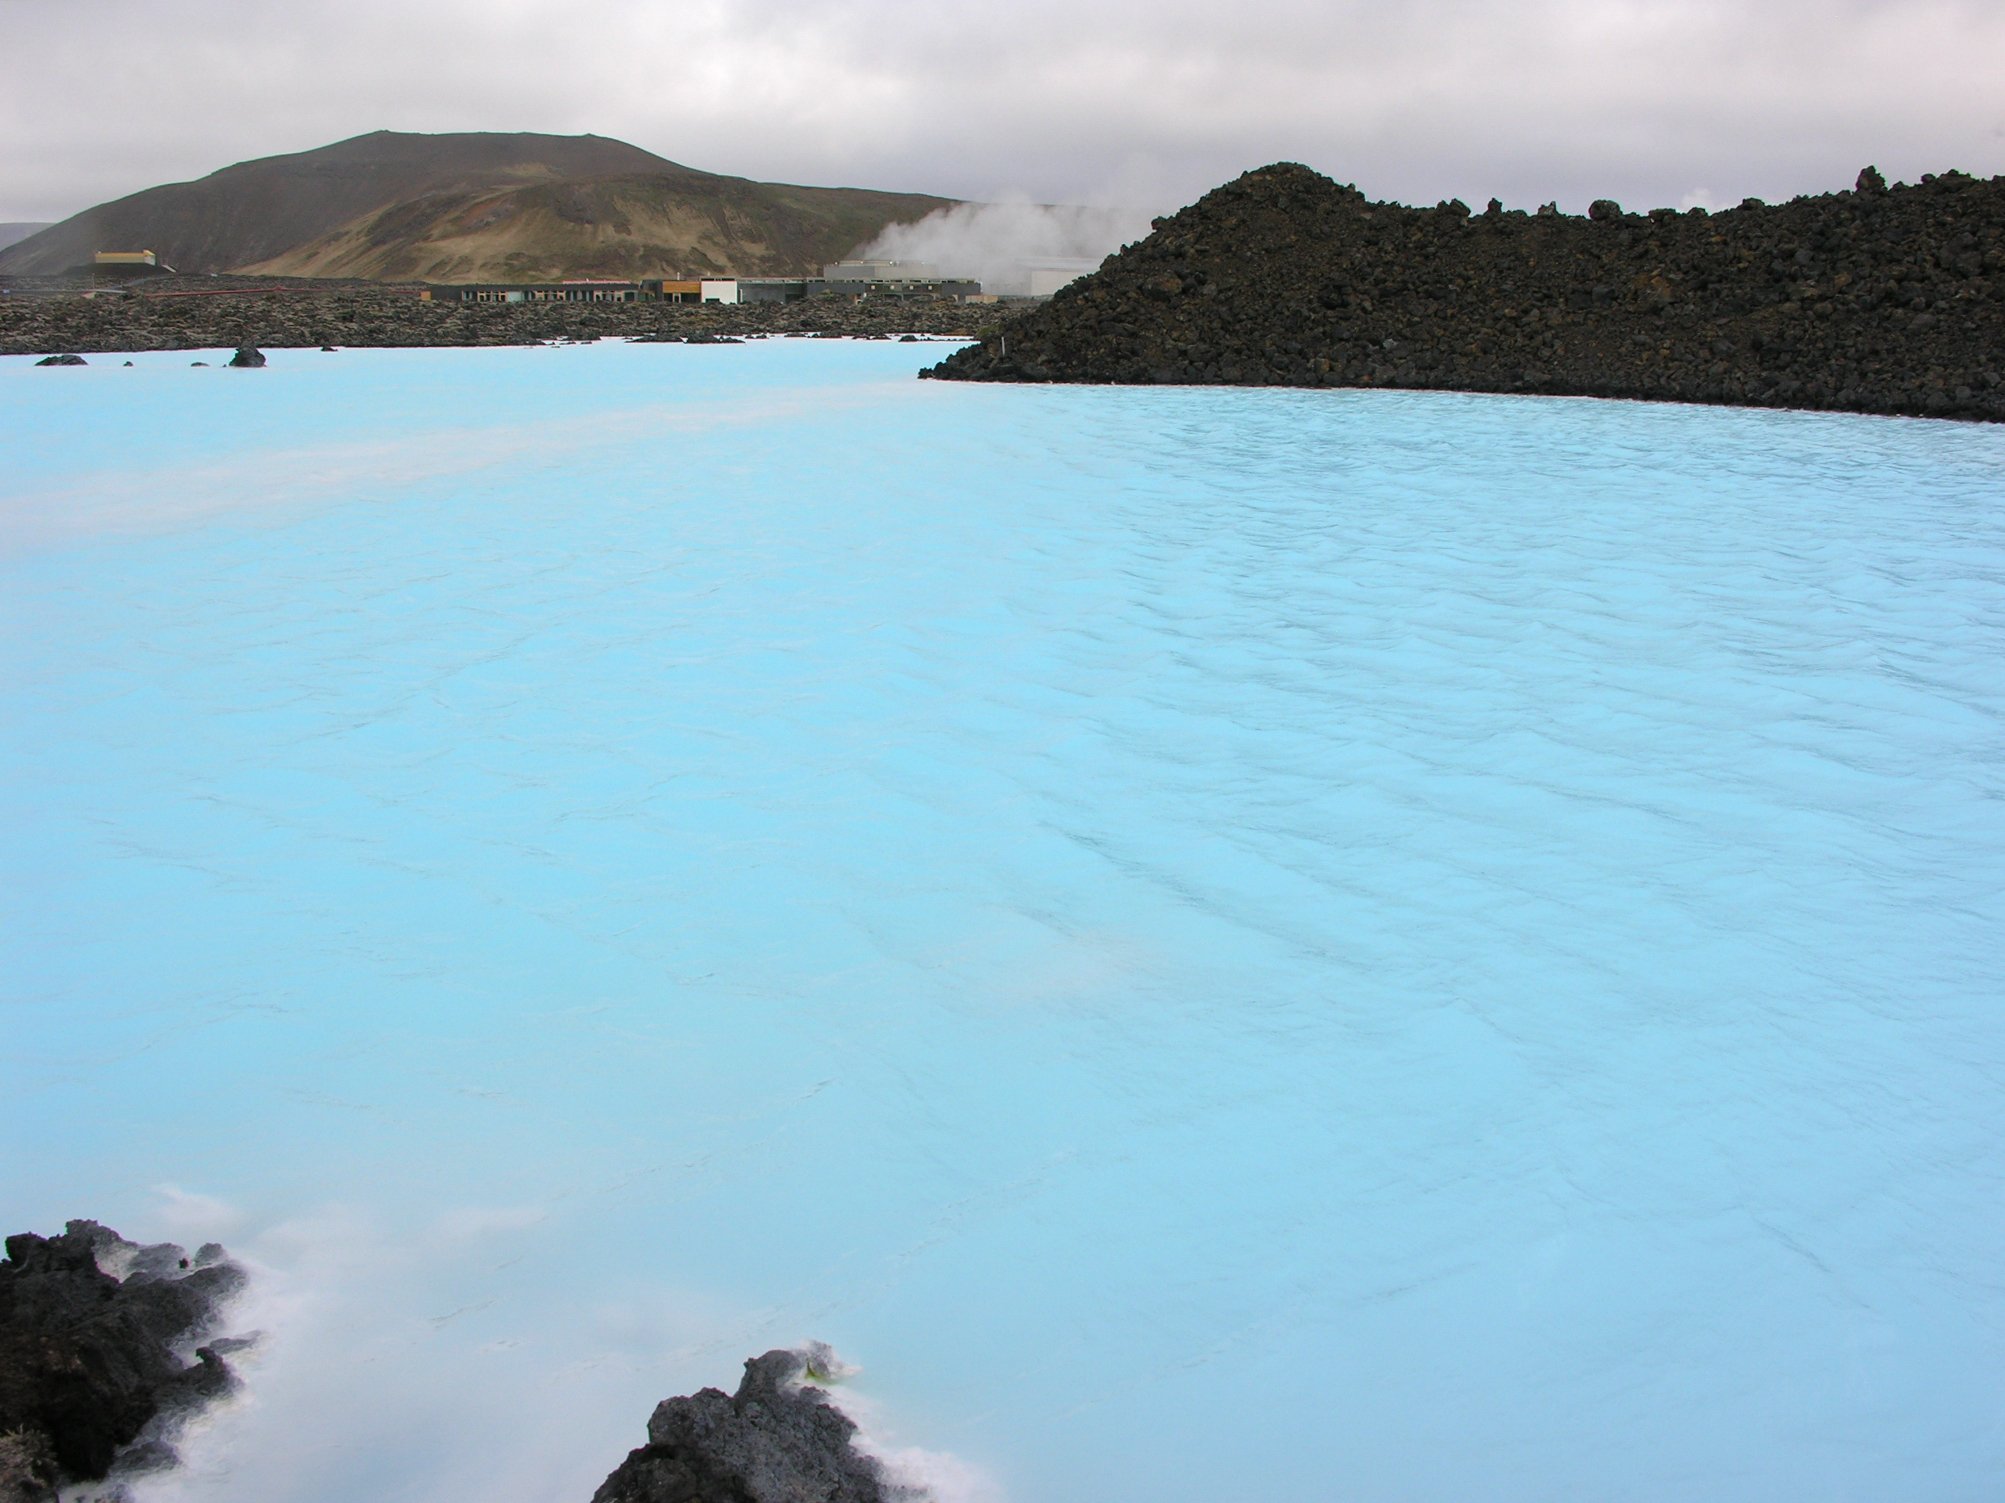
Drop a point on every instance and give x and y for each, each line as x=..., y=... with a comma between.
x=90, y=1327
x=778, y=1439
x=1888, y=300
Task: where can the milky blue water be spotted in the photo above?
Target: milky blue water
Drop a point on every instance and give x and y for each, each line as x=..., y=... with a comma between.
x=1223, y=945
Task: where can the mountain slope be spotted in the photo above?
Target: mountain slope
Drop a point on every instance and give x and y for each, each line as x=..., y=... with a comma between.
x=13, y=232
x=617, y=226
x=472, y=207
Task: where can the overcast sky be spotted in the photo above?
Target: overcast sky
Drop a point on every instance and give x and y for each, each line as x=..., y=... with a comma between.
x=1146, y=102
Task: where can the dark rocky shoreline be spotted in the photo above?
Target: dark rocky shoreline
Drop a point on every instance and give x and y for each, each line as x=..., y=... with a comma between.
x=200, y=313
x=91, y=1380
x=93, y=1386
x=1875, y=300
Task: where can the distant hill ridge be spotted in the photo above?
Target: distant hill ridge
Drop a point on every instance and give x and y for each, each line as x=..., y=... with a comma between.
x=474, y=206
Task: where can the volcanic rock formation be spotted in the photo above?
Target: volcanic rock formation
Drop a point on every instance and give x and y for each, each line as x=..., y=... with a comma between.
x=90, y=1329
x=779, y=1439
x=225, y=312
x=1875, y=300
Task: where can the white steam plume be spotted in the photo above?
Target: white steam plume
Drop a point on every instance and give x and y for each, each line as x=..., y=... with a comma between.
x=996, y=242
x=468, y=1354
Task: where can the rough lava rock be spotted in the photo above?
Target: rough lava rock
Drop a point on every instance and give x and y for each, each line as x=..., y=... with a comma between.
x=248, y=359
x=779, y=1439
x=27, y=1468
x=63, y=360
x=44, y=316
x=91, y=1331
x=1881, y=299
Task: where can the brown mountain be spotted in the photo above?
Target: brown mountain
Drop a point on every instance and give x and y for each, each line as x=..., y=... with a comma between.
x=474, y=207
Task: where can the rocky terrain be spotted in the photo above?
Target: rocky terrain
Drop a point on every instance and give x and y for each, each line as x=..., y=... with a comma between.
x=91, y=1331
x=778, y=1439
x=47, y=318
x=1880, y=299
x=472, y=207
x=93, y=1379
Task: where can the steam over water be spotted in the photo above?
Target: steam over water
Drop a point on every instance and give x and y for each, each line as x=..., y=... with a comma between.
x=1221, y=944
x=995, y=243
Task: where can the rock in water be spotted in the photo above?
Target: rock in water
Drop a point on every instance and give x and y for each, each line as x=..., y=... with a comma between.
x=778, y=1439
x=63, y=360
x=88, y=1327
x=248, y=359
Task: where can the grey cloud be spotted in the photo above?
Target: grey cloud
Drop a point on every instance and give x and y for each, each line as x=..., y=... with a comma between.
x=1648, y=101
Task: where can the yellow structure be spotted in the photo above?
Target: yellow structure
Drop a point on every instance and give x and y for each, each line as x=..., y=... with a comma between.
x=125, y=258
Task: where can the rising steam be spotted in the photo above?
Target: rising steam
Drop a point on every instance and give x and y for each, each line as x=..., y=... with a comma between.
x=997, y=243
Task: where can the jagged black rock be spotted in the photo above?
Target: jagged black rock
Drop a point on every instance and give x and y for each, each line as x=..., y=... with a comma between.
x=779, y=1439
x=182, y=313
x=1878, y=299
x=88, y=1357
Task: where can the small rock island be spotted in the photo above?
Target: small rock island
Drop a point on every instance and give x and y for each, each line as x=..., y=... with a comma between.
x=778, y=1439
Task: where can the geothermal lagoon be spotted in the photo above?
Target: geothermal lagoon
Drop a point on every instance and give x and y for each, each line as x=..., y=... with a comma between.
x=1220, y=944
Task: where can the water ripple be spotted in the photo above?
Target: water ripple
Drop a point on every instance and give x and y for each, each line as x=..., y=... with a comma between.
x=1431, y=946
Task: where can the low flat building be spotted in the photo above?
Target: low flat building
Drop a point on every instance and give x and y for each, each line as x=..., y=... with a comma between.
x=776, y=289
x=759, y=289
x=584, y=290
x=893, y=279
x=880, y=271
x=672, y=290
x=723, y=289
x=942, y=287
x=122, y=265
